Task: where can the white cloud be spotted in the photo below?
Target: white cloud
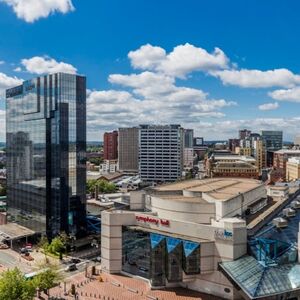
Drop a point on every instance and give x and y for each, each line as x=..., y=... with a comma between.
x=8, y=82
x=183, y=60
x=229, y=128
x=292, y=95
x=43, y=65
x=149, y=98
x=147, y=57
x=258, y=79
x=268, y=106
x=32, y=10
x=18, y=69
x=2, y=62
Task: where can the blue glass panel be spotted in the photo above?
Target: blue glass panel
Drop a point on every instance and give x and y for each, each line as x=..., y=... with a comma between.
x=259, y=281
x=155, y=239
x=189, y=247
x=172, y=243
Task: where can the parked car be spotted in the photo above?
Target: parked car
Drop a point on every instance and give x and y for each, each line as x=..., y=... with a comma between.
x=70, y=268
x=23, y=250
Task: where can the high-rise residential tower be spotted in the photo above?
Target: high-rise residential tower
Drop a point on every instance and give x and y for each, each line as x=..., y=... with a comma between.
x=128, y=150
x=46, y=154
x=161, y=153
x=110, y=145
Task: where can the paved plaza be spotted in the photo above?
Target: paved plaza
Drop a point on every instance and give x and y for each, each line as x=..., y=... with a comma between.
x=119, y=287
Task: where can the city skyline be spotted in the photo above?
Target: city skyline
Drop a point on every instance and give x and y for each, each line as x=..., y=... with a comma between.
x=155, y=63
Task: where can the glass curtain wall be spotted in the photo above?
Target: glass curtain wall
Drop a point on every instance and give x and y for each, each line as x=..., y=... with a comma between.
x=158, y=257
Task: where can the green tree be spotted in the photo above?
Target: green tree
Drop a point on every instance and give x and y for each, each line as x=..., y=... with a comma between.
x=47, y=279
x=96, y=160
x=13, y=285
x=56, y=246
x=91, y=186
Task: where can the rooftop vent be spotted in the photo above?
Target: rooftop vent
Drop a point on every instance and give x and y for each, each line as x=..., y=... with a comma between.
x=289, y=212
x=280, y=222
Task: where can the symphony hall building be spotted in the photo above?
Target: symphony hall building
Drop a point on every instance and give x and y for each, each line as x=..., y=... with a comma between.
x=178, y=234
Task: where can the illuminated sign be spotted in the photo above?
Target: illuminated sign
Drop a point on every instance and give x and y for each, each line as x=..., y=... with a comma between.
x=151, y=220
x=223, y=234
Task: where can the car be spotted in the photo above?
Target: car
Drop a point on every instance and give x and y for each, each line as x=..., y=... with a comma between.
x=75, y=260
x=23, y=250
x=70, y=268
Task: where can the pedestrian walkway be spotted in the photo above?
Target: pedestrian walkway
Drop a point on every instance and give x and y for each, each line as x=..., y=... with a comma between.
x=118, y=287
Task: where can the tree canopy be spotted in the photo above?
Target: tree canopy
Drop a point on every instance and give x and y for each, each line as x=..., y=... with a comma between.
x=103, y=186
x=13, y=285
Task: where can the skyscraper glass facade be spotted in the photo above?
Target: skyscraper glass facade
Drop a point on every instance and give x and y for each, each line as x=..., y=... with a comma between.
x=273, y=139
x=46, y=153
x=157, y=257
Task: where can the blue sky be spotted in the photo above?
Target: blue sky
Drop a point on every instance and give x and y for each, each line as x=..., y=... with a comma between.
x=215, y=66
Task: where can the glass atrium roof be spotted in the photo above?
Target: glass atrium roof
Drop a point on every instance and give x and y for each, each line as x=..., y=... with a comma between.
x=259, y=281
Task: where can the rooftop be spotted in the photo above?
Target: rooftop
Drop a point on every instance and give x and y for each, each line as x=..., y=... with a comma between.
x=288, y=151
x=258, y=281
x=14, y=231
x=221, y=189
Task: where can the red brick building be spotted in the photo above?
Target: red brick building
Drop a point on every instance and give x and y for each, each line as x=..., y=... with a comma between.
x=110, y=145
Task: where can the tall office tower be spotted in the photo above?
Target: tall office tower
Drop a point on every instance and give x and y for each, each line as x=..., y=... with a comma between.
x=188, y=138
x=244, y=133
x=273, y=142
x=161, y=153
x=128, y=150
x=273, y=139
x=46, y=154
x=110, y=145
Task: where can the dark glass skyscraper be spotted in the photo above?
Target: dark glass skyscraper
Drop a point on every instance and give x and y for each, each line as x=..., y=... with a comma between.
x=46, y=154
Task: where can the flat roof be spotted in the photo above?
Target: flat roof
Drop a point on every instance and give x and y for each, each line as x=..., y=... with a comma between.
x=14, y=231
x=289, y=151
x=221, y=189
x=182, y=198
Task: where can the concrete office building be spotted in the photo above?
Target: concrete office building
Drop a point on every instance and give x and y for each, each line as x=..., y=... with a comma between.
x=110, y=145
x=46, y=154
x=232, y=166
x=128, y=150
x=182, y=233
x=293, y=169
x=160, y=153
x=260, y=154
x=281, y=158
